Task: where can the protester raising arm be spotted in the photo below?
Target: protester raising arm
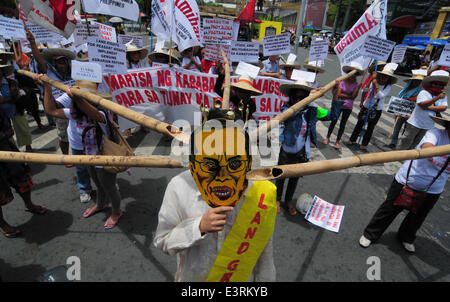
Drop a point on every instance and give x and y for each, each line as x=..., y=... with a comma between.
x=36, y=53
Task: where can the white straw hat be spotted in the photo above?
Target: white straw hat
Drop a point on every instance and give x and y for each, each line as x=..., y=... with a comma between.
x=131, y=47
x=246, y=82
x=437, y=76
x=299, y=84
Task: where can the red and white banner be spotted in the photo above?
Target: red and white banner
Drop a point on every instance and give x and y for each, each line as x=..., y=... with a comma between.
x=171, y=94
x=373, y=23
x=179, y=19
x=55, y=15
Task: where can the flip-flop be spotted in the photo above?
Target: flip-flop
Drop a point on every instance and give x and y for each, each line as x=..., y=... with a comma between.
x=37, y=210
x=111, y=222
x=13, y=234
x=92, y=210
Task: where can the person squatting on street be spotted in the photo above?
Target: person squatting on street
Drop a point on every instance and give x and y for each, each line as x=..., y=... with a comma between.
x=295, y=139
x=93, y=125
x=423, y=181
x=430, y=101
x=206, y=209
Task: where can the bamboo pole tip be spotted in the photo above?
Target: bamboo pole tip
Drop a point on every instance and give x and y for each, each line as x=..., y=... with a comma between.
x=264, y=174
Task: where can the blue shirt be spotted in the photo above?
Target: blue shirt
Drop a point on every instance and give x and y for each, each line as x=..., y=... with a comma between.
x=270, y=67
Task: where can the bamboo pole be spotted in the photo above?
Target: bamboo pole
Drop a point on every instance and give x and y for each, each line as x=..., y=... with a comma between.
x=323, y=166
x=227, y=85
x=129, y=114
x=89, y=160
x=300, y=105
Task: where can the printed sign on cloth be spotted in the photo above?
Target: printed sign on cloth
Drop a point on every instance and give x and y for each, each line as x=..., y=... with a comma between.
x=213, y=51
x=377, y=48
x=400, y=106
x=277, y=45
x=107, y=33
x=217, y=31
x=244, y=51
x=325, y=215
x=12, y=28
x=111, y=56
x=372, y=22
x=55, y=15
x=127, y=9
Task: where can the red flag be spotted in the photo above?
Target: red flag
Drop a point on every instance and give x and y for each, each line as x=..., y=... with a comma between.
x=248, y=13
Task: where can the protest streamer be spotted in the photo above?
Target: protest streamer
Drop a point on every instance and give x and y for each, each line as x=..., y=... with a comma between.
x=300, y=105
x=129, y=114
x=323, y=166
x=89, y=160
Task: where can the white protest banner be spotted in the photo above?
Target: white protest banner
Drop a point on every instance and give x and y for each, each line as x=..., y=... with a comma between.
x=247, y=69
x=325, y=215
x=213, y=51
x=444, y=59
x=377, y=48
x=124, y=39
x=398, y=54
x=307, y=76
x=372, y=22
x=318, y=50
x=107, y=33
x=236, y=26
x=277, y=45
x=179, y=19
x=244, y=51
x=43, y=35
x=86, y=71
x=82, y=32
x=12, y=28
x=111, y=56
x=400, y=106
x=127, y=9
x=217, y=31
x=57, y=16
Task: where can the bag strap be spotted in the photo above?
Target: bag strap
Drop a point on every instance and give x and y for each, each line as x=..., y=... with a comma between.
x=435, y=178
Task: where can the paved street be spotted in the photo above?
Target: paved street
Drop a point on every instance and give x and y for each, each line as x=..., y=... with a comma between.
x=302, y=251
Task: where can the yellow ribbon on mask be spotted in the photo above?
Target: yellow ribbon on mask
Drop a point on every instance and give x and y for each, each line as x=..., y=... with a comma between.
x=249, y=235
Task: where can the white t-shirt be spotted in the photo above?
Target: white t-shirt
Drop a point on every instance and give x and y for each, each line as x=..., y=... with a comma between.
x=424, y=170
x=72, y=133
x=379, y=97
x=192, y=67
x=420, y=117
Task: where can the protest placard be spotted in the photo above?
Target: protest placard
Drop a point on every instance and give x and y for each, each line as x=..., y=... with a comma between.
x=12, y=28
x=213, y=52
x=43, y=35
x=277, y=45
x=398, y=54
x=247, y=69
x=325, y=215
x=217, y=31
x=307, y=76
x=107, y=33
x=377, y=48
x=400, y=106
x=444, y=59
x=81, y=33
x=127, y=9
x=318, y=50
x=236, y=26
x=86, y=71
x=111, y=56
x=244, y=51
x=124, y=39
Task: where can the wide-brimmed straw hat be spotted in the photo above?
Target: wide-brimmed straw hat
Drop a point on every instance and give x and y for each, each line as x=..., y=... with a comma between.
x=51, y=53
x=436, y=76
x=168, y=53
x=131, y=47
x=445, y=122
x=91, y=87
x=299, y=84
x=290, y=63
x=388, y=70
x=417, y=74
x=7, y=70
x=6, y=55
x=245, y=82
x=314, y=65
x=353, y=66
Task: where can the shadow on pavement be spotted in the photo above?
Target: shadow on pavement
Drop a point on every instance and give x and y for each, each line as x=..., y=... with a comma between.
x=26, y=273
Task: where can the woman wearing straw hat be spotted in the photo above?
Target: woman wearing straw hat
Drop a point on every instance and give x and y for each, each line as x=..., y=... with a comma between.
x=409, y=92
x=347, y=92
x=164, y=56
x=295, y=139
x=431, y=100
x=136, y=56
x=427, y=176
x=373, y=104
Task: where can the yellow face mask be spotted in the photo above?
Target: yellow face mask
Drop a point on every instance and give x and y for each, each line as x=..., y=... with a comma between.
x=220, y=165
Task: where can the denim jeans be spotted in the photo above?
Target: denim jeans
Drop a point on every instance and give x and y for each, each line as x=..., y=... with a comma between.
x=334, y=112
x=83, y=178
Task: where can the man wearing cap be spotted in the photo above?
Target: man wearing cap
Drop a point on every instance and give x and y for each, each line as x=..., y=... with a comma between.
x=271, y=67
x=430, y=100
x=409, y=92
